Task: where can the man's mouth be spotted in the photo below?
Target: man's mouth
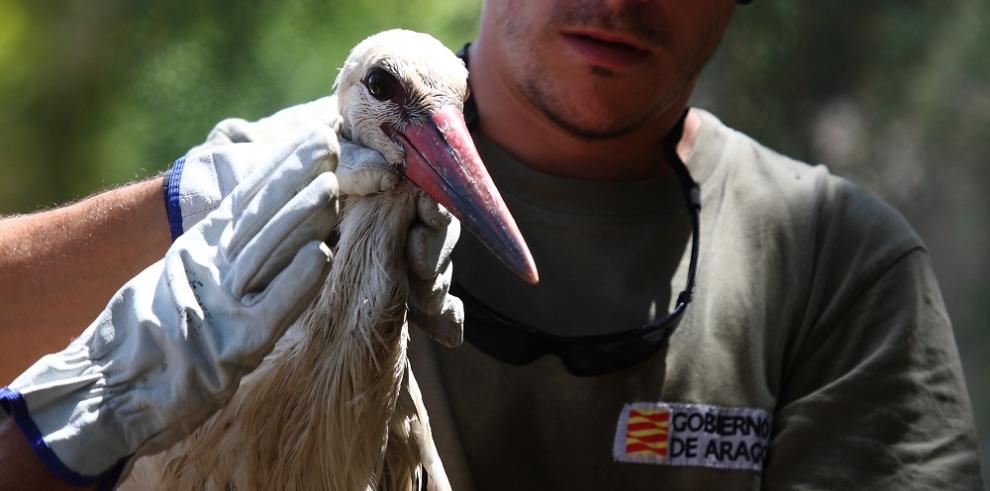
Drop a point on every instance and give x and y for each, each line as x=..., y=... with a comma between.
x=605, y=50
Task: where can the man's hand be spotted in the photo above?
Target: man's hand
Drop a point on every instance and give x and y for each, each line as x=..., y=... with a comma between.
x=431, y=240
x=197, y=187
x=173, y=343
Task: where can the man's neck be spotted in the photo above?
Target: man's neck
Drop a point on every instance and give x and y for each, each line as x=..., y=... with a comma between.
x=511, y=121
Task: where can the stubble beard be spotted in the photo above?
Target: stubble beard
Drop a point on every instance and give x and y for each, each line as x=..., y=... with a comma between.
x=540, y=93
x=540, y=87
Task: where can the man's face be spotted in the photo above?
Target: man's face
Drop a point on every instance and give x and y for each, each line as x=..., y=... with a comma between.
x=600, y=68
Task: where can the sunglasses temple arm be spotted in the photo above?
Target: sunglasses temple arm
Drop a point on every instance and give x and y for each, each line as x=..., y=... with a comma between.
x=692, y=194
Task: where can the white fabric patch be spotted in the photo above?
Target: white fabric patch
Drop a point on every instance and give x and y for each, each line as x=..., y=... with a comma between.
x=698, y=435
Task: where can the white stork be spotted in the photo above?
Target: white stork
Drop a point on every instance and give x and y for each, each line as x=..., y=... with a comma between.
x=335, y=405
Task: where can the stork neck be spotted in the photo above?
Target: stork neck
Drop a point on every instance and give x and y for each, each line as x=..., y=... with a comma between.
x=508, y=117
x=368, y=282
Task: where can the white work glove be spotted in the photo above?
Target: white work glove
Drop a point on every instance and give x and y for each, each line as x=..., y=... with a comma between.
x=194, y=188
x=198, y=188
x=173, y=343
x=431, y=240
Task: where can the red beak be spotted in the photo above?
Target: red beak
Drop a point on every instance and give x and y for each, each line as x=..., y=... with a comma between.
x=441, y=159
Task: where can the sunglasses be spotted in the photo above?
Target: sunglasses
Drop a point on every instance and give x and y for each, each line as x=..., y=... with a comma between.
x=514, y=342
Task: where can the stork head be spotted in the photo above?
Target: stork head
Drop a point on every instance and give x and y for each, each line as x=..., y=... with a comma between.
x=402, y=93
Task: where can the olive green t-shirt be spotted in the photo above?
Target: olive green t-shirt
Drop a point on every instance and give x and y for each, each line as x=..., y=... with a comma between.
x=816, y=354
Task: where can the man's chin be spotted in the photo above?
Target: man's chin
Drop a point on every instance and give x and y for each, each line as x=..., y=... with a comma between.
x=588, y=132
x=594, y=117
x=602, y=126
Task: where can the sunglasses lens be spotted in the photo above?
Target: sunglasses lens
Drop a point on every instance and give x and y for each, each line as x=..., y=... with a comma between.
x=504, y=343
x=598, y=359
x=516, y=344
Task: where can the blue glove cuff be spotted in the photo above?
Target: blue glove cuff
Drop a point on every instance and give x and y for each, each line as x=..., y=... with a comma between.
x=172, y=208
x=13, y=403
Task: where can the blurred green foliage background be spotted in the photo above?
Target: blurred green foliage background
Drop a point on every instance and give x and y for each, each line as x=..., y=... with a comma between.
x=894, y=94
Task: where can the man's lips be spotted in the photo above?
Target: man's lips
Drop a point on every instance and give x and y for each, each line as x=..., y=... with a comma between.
x=604, y=51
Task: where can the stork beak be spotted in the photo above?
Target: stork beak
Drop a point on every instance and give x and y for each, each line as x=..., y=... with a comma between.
x=441, y=159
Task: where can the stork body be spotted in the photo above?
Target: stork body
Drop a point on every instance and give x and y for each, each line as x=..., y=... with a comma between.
x=335, y=405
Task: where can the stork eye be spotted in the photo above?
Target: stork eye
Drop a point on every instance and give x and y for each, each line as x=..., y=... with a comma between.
x=382, y=85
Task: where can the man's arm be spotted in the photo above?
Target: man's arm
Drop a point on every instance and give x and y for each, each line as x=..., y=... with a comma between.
x=22, y=468
x=173, y=342
x=876, y=398
x=59, y=267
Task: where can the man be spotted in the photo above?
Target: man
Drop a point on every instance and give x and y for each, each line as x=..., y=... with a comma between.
x=815, y=309
x=815, y=352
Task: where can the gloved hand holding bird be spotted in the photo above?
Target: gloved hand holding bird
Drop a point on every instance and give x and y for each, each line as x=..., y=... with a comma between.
x=328, y=401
